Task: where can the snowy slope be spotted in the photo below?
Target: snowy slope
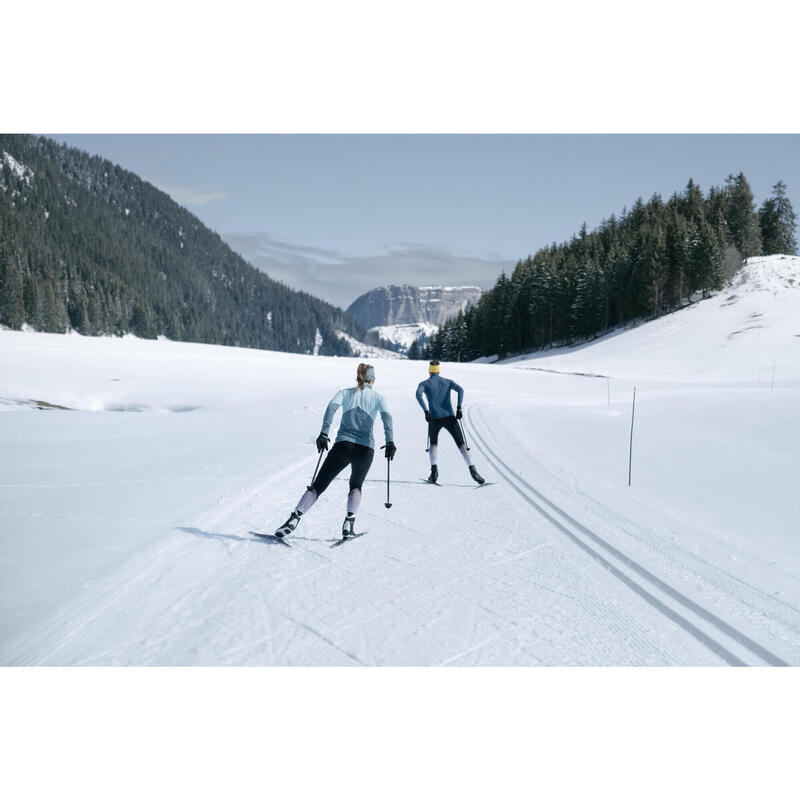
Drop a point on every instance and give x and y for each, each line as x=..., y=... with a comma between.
x=735, y=335
x=405, y=334
x=367, y=350
x=125, y=521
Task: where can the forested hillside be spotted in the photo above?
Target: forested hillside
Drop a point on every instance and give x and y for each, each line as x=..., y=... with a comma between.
x=647, y=262
x=86, y=245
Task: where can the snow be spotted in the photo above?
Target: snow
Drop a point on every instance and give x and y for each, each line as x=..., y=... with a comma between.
x=125, y=535
x=18, y=168
x=367, y=350
x=405, y=334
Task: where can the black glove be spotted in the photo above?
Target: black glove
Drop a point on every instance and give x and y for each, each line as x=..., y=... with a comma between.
x=390, y=450
x=427, y=416
x=322, y=442
x=458, y=413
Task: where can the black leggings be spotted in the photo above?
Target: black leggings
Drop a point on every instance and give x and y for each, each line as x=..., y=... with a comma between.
x=450, y=424
x=342, y=454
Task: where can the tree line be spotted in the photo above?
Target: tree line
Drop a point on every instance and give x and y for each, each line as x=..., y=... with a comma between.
x=89, y=246
x=653, y=259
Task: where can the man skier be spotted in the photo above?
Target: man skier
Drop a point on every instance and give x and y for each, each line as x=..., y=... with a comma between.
x=439, y=414
x=354, y=445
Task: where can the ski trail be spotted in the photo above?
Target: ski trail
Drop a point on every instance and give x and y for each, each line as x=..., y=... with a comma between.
x=537, y=501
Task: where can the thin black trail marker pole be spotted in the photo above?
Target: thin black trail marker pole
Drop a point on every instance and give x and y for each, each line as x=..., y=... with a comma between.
x=463, y=434
x=315, y=471
x=630, y=451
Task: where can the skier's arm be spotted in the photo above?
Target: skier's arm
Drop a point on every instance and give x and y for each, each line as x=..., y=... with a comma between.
x=387, y=421
x=420, y=392
x=454, y=387
x=330, y=411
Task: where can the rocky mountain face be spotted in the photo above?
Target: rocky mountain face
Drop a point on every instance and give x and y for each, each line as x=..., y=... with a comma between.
x=399, y=305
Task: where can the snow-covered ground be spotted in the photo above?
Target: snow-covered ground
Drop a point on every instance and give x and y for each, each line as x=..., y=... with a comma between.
x=366, y=350
x=405, y=334
x=125, y=520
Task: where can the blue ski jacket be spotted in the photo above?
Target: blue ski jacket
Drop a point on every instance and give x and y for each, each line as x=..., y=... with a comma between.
x=437, y=389
x=359, y=409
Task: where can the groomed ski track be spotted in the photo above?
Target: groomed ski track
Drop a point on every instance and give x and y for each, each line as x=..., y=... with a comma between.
x=734, y=647
x=509, y=575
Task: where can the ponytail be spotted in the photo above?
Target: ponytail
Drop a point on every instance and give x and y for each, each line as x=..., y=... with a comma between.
x=361, y=375
x=364, y=373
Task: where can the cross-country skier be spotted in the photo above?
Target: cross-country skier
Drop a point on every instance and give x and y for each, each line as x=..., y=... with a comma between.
x=354, y=445
x=439, y=414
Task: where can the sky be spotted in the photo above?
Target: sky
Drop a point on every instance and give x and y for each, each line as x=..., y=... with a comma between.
x=337, y=215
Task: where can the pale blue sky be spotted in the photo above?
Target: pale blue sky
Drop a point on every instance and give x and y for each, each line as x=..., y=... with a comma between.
x=338, y=215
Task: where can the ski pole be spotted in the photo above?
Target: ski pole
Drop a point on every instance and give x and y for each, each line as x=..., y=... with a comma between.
x=315, y=471
x=462, y=433
x=428, y=442
x=388, y=462
x=388, y=465
x=630, y=451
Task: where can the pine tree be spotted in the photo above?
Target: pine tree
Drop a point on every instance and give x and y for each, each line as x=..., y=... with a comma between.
x=778, y=223
x=741, y=216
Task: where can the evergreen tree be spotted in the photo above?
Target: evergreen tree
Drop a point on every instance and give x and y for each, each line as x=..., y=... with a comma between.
x=778, y=223
x=741, y=216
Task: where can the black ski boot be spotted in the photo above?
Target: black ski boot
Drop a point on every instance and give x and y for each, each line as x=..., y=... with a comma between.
x=475, y=475
x=348, y=526
x=289, y=525
x=434, y=476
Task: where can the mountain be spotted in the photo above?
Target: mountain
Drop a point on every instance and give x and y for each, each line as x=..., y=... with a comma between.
x=402, y=305
x=89, y=246
x=402, y=314
x=652, y=260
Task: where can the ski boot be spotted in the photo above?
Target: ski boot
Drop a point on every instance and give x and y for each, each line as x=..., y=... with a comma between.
x=434, y=476
x=348, y=530
x=289, y=525
x=475, y=475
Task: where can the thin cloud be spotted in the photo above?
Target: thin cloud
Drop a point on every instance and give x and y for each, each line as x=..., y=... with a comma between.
x=187, y=196
x=340, y=278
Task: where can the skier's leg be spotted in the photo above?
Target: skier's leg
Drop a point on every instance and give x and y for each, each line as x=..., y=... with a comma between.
x=339, y=457
x=434, y=426
x=360, y=464
x=455, y=432
x=306, y=501
x=353, y=502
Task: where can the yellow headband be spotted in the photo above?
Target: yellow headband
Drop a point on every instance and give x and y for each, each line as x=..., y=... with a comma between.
x=433, y=368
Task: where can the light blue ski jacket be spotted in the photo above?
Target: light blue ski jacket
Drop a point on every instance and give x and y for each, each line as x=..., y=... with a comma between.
x=437, y=389
x=359, y=409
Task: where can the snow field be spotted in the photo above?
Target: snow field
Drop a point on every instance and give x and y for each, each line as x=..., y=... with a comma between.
x=125, y=535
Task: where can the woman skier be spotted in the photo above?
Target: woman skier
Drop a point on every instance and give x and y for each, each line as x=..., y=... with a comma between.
x=440, y=415
x=354, y=445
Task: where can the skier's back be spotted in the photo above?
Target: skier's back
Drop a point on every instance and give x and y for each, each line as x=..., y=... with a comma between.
x=439, y=414
x=354, y=445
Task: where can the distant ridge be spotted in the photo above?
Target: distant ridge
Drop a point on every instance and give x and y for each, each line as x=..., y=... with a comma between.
x=404, y=304
x=89, y=246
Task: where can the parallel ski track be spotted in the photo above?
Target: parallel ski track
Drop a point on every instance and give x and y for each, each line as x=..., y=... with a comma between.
x=674, y=604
